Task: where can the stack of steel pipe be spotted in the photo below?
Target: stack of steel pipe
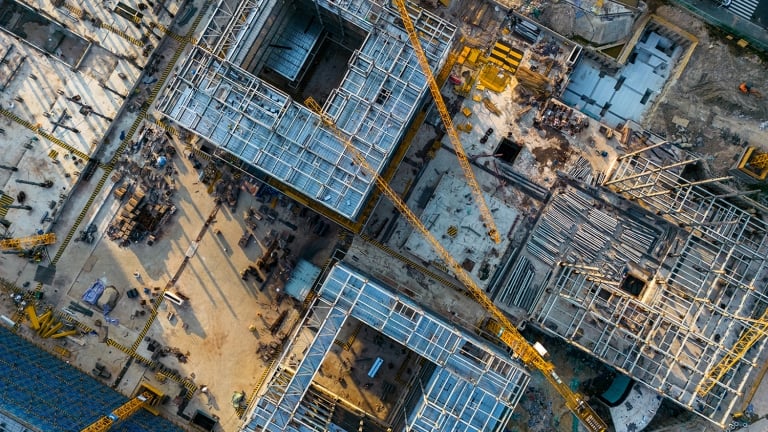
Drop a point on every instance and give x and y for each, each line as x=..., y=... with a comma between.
x=587, y=245
x=599, y=179
x=535, y=249
x=639, y=241
x=585, y=200
x=560, y=218
x=551, y=235
x=517, y=291
x=603, y=221
x=581, y=170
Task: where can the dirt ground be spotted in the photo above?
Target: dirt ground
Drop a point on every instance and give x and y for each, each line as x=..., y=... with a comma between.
x=722, y=120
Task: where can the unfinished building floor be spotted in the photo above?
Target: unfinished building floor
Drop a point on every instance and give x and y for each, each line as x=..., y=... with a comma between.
x=462, y=366
x=221, y=322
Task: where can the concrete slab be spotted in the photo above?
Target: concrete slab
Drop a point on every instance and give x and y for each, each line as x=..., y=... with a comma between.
x=451, y=216
x=39, y=93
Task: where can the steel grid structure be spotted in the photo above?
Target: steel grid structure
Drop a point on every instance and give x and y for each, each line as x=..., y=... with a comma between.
x=709, y=288
x=230, y=26
x=473, y=387
x=213, y=95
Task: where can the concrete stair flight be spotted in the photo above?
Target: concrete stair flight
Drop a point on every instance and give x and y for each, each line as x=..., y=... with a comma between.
x=743, y=8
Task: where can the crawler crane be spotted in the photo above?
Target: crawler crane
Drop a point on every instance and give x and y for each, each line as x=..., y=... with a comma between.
x=527, y=353
x=450, y=129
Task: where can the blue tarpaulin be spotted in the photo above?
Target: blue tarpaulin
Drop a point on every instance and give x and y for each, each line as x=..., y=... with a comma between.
x=93, y=293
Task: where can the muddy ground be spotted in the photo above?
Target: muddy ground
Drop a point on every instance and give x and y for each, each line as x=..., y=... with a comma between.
x=721, y=119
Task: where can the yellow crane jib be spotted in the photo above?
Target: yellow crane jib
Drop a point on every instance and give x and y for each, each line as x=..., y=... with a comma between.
x=450, y=129
x=751, y=335
x=508, y=333
x=27, y=242
x=122, y=412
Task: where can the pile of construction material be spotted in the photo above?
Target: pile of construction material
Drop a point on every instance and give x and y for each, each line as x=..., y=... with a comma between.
x=149, y=191
x=142, y=217
x=228, y=192
x=533, y=82
x=87, y=235
x=269, y=351
x=48, y=325
x=562, y=118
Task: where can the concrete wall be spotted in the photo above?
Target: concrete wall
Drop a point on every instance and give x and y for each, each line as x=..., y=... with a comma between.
x=600, y=31
x=571, y=20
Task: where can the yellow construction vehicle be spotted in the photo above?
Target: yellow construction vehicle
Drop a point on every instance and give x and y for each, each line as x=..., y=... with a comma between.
x=148, y=398
x=27, y=242
x=450, y=130
x=532, y=356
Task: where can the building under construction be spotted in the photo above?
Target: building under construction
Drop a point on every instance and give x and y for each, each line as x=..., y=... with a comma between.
x=243, y=85
x=41, y=393
x=453, y=380
x=660, y=274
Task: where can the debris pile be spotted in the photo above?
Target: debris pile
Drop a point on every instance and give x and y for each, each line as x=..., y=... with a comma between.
x=149, y=192
x=539, y=409
x=562, y=118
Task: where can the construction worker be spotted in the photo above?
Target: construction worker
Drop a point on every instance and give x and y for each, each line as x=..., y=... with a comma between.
x=747, y=89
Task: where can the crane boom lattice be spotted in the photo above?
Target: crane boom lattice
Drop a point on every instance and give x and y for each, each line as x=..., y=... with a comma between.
x=122, y=412
x=27, y=242
x=510, y=335
x=450, y=129
x=748, y=339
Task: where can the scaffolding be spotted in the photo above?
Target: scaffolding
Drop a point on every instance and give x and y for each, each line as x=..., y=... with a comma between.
x=213, y=96
x=473, y=386
x=706, y=290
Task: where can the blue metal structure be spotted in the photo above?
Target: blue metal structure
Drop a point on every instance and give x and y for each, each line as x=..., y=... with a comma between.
x=43, y=393
x=472, y=387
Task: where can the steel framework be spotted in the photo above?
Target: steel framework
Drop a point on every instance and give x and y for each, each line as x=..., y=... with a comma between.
x=214, y=96
x=689, y=332
x=466, y=368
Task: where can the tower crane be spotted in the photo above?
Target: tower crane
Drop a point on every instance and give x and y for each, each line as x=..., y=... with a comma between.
x=532, y=356
x=450, y=129
x=748, y=339
x=102, y=424
x=27, y=242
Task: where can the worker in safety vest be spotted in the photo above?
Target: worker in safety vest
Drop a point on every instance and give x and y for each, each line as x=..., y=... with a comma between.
x=747, y=89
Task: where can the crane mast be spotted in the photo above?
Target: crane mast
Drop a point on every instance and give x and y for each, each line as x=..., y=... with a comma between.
x=510, y=335
x=450, y=129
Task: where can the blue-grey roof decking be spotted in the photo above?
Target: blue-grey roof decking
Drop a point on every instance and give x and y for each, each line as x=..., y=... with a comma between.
x=261, y=125
x=631, y=91
x=49, y=395
x=474, y=388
